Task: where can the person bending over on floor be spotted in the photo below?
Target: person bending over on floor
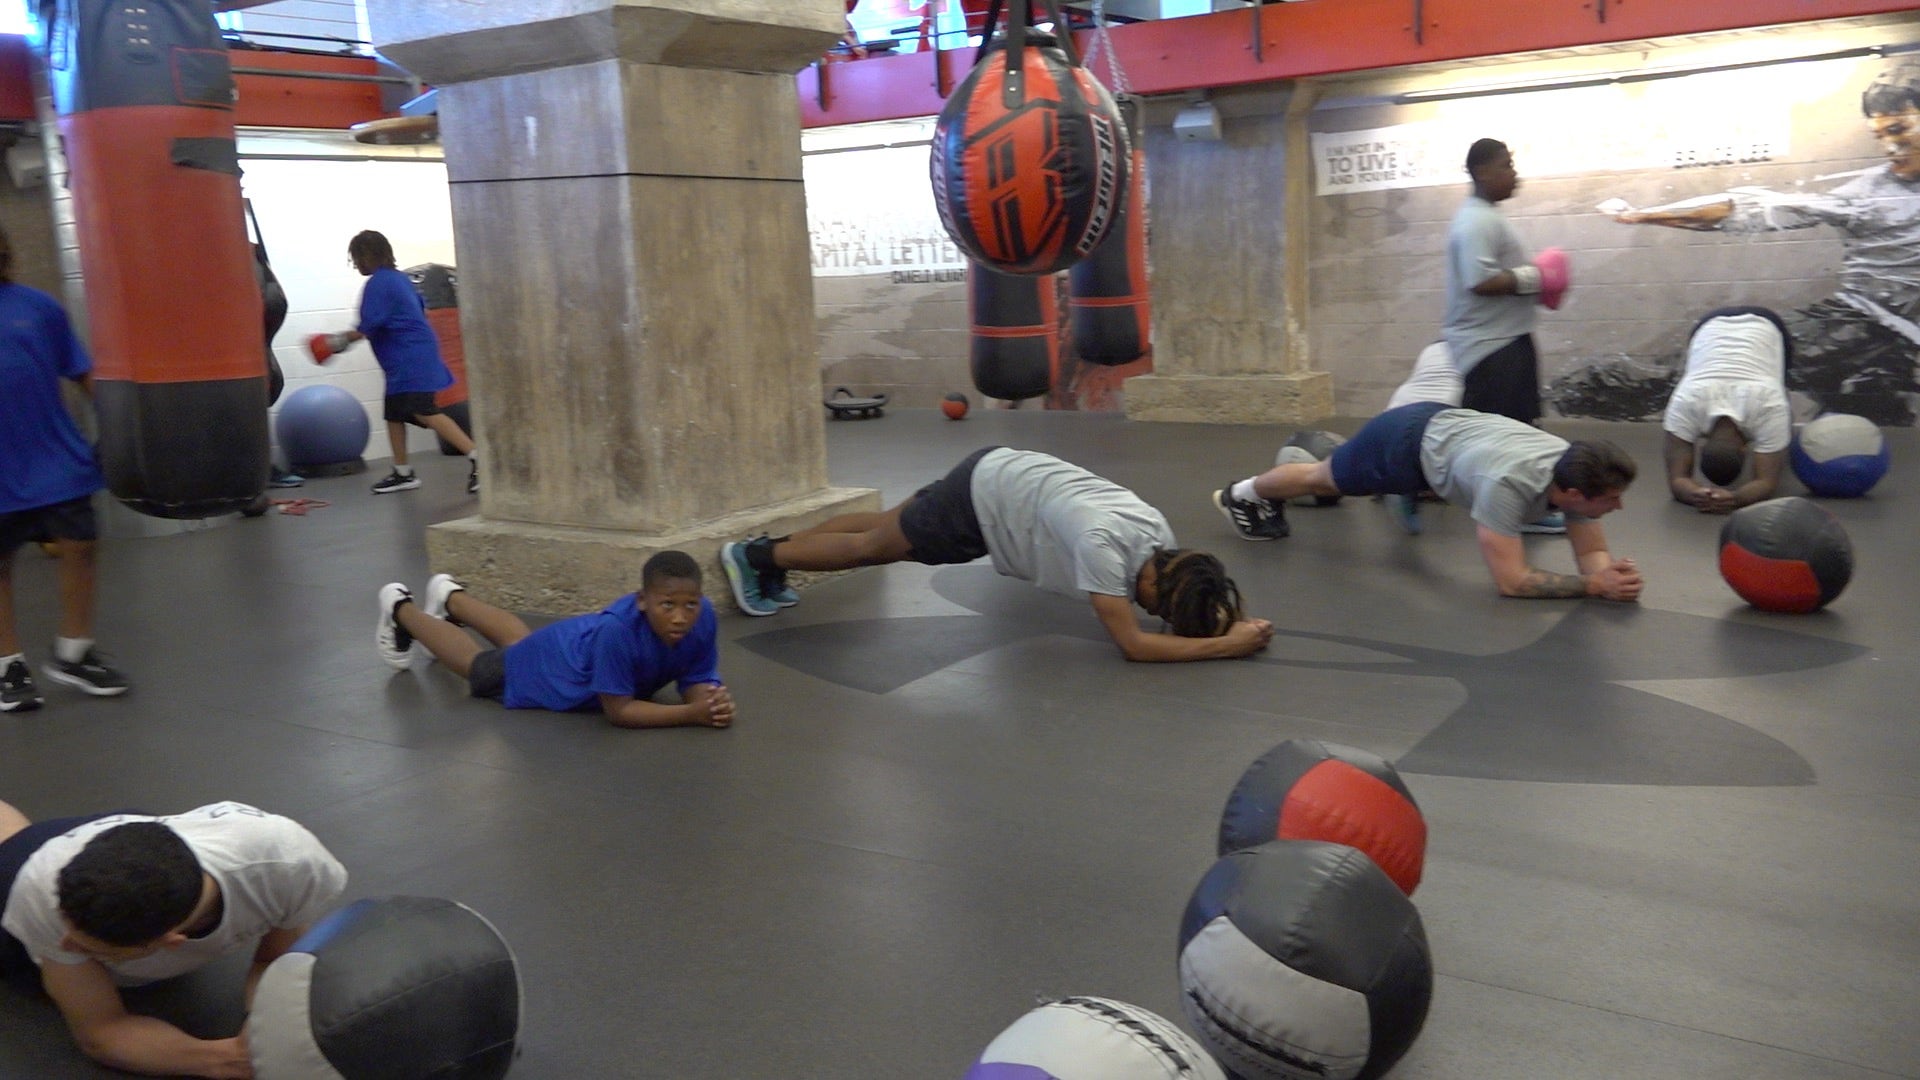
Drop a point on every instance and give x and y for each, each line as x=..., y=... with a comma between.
x=617, y=658
x=1732, y=399
x=1508, y=472
x=110, y=900
x=1042, y=520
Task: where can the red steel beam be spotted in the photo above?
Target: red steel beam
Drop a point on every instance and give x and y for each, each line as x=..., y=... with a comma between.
x=1320, y=37
x=265, y=100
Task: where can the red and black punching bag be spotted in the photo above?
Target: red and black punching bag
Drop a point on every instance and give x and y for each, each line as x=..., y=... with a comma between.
x=1030, y=157
x=144, y=96
x=1107, y=290
x=1015, y=346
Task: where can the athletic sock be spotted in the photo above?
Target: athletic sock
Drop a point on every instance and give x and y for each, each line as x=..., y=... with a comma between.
x=403, y=470
x=760, y=555
x=71, y=650
x=1244, y=491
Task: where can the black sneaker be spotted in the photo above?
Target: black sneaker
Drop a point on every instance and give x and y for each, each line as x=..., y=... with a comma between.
x=473, y=477
x=17, y=692
x=90, y=675
x=1253, y=519
x=395, y=482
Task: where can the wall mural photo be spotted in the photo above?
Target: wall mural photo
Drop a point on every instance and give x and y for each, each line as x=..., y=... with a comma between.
x=1794, y=186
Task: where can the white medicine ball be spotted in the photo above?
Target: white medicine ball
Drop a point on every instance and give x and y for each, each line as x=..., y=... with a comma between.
x=1090, y=1038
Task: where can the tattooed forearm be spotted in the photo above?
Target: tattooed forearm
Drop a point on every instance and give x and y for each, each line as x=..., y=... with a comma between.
x=1539, y=584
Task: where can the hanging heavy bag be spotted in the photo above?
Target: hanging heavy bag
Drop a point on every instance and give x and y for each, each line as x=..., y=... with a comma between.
x=173, y=302
x=1107, y=290
x=1030, y=157
x=1015, y=345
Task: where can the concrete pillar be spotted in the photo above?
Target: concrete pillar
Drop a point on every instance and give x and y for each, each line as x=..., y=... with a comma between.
x=1229, y=259
x=636, y=293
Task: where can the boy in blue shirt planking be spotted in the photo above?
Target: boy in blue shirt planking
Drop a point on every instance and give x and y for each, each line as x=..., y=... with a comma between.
x=393, y=321
x=616, y=658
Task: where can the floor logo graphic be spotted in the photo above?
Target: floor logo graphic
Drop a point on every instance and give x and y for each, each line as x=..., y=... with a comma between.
x=1554, y=710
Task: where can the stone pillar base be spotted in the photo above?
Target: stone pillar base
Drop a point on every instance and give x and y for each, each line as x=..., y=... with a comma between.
x=563, y=570
x=1296, y=398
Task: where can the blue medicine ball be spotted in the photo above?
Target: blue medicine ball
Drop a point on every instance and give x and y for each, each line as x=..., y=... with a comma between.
x=321, y=425
x=1840, y=456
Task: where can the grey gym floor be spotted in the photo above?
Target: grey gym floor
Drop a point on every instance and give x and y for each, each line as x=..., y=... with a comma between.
x=1677, y=839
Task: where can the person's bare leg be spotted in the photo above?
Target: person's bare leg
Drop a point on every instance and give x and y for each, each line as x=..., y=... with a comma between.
x=862, y=521
x=76, y=575
x=502, y=628
x=11, y=821
x=442, y=425
x=448, y=643
x=397, y=439
x=9, y=641
x=881, y=542
x=1290, y=481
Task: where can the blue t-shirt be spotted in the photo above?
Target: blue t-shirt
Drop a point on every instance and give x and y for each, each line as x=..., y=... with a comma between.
x=394, y=319
x=43, y=457
x=569, y=664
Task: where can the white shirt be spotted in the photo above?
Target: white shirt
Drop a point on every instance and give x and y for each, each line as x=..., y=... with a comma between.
x=1735, y=369
x=272, y=873
x=1433, y=378
x=1061, y=527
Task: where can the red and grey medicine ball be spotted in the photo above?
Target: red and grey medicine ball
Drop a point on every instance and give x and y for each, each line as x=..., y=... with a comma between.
x=1301, y=960
x=396, y=986
x=1029, y=182
x=954, y=406
x=1785, y=555
x=1839, y=456
x=1305, y=789
x=1089, y=1038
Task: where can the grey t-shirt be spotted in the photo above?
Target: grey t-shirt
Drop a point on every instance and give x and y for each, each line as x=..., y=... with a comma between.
x=1481, y=243
x=1498, y=467
x=1061, y=527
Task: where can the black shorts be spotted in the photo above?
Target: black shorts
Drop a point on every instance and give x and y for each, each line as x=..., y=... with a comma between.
x=406, y=407
x=14, y=853
x=939, y=520
x=70, y=520
x=1507, y=382
x=487, y=675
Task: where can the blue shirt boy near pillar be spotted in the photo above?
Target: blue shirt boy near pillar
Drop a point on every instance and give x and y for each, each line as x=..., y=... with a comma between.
x=615, y=659
x=568, y=664
x=393, y=318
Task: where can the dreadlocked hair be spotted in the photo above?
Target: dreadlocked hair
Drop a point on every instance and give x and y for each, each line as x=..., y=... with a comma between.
x=1193, y=594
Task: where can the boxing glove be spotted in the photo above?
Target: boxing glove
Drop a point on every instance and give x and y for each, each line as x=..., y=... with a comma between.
x=324, y=347
x=1548, y=277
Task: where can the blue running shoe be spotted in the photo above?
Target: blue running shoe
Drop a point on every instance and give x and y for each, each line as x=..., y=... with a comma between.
x=1553, y=523
x=1406, y=509
x=745, y=580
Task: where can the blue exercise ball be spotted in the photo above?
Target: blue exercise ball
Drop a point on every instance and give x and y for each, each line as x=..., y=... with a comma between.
x=321, y=425
x=1840, y=456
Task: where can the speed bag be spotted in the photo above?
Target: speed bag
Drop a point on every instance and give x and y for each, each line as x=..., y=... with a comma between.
x=1107, y=290
x=173, y=304
x=1015, y=345
x=1028, y=179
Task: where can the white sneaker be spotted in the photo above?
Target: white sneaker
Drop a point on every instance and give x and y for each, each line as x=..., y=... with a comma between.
x=392, y=639
x=440, y=587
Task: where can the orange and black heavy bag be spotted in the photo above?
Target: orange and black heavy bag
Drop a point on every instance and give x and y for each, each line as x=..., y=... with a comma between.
x=1030, y=157
x=1015, y=346
x=1107, y=290
x=173, y=303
